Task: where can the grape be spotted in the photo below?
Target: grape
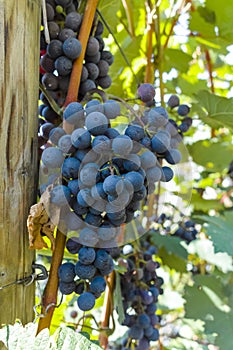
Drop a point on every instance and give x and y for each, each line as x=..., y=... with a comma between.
x=143, y=344
x=54, y=49
x=135, y=132
x=65, y=144
x=148, y=160
x=50, y=81
x=104, y=82
x=96, y=123
x=78, y=209
x=86, y=301
x=99, y=28
x=132, y=162
x=63, y=65
x=101, y=144
x=47, y=63
x=143, y=321
x=73, y=185
x=155, y=335
x=153, y=174
x=81, y=138
x=50, y=12
x=72, y=221
x=70, y=168
x=73, y=21
x=86, y=255
x=173, y=156
x=93, y=70
x=155, y=118
x=72, y=48
x=54, y=29
x=73, y=314
x=67, y=288
x=102, y=258
x=84, y=271
x=80, y=287
x=160, y=142
x=146, y=92
x=88, y=237
x=98, y=285
x=88, y=175
x=107, y=268
x=173, y=101
x=55, y=134
x=65, y=34
x=146, y=142
x=167, y=174
x=93, y=220
x=111, y=133
x=135, y=332
x=107, y=56
x=113, y=185
x=98, y=192
x=86, y=86
x=72, y=245
x=84, y=197
x=66, y=272
x=103, y=68
x=52, y=157
x=106, y=232
x=60, y=195
x=136, y=180
x=84, y=74
x=183, y=110
x=93, y=58
x=112, y=109
x=92, y=46
x=183, y=127
x=122, y=145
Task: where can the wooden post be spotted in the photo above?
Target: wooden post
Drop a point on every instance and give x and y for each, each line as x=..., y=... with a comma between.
x=19, y=76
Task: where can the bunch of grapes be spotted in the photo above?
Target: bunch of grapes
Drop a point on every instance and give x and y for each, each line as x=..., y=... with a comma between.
x=57, y=58
x=182, y=227
x=86, y=276
x=140, y=288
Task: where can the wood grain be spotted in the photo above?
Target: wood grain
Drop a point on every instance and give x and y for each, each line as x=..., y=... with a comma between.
x=19, y=76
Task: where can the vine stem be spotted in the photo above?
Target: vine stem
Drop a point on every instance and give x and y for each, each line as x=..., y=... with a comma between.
x=149, y=76
x=129, y=13
x=83, y=36
x=50, y=293
x=210, y=71
x=107, y=310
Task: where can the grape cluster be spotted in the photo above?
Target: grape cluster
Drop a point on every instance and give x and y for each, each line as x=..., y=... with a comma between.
x=106, y=175
x=86, y=276
x=140, y=287
x=184, y=228
x=58, y=56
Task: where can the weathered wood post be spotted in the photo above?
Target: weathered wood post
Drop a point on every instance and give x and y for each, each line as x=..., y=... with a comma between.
x=19, y=75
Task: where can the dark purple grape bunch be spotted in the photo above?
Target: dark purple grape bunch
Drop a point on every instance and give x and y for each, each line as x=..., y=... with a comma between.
x=58, y=56
x=86, y=277
x=182, y=111
x=105, y=176
x=184, y=228
x=140, y=288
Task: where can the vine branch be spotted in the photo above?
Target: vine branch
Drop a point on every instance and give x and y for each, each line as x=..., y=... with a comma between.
x=84, y=33
x=50, y=293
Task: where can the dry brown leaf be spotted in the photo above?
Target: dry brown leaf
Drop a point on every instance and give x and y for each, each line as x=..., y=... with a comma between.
x=39, y=223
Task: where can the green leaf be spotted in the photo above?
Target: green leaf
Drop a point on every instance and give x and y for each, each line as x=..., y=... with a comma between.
x=218, y=109
x=177, y=59
x=199, y=24
x=220, y=231
x=206, y=300
x=205, y=250
x=205, y=205
x=171, y=244
x=118, y=299
x=223, y=13
x=214, y=156
x=66, y=338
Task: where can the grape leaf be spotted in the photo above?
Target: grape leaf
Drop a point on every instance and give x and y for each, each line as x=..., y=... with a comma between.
x=66, y=338
x=177, y=59
x=210, y=154
x=220, y=231
x=171, y=244
x=205, y=205
x=206, y=300
x=218, y=109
